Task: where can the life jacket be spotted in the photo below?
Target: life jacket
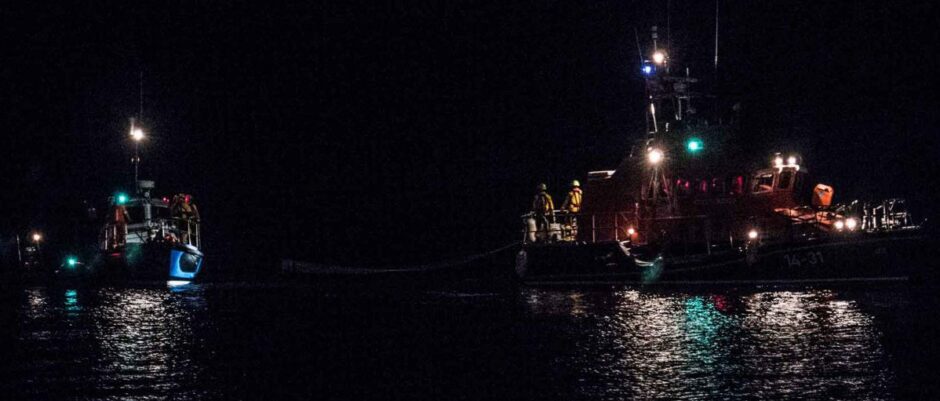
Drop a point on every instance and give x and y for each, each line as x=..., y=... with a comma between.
x=542, y=204
x=573, y=201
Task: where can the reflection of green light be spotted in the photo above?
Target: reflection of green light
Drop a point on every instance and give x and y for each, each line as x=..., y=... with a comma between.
x=703, y=320
x=71, y=301
x=120, y=198
x=694, y=145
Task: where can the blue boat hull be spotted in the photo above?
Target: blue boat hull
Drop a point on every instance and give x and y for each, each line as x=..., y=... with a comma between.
x=142, y=262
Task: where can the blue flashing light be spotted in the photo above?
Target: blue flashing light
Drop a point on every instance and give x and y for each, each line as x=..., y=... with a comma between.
x=694, y=145
x=648, y=69
x=120, y=198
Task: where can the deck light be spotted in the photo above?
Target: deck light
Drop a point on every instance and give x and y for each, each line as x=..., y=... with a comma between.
x=839, y=225
x=851, y=223
x=655, y=156
x=778, y=161
x=791, y=161
x=631, y=231
x=659, y=57
x=37, y=237
x=752, y=234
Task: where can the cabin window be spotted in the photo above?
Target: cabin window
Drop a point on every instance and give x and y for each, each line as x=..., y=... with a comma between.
x=763, y=183
x=785, y=180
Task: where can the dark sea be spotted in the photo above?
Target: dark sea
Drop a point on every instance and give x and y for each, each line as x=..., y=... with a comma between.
x=466, y=340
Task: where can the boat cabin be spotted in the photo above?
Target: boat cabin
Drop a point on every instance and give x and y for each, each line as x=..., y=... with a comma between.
x=143, y=220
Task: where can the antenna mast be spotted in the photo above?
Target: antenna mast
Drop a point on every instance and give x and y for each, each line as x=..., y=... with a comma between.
x=716, y=36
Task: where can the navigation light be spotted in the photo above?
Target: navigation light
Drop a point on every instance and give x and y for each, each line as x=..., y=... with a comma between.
x=694, y=145
x=752, y=234
x=71, y=261
x=648, y=69
x=120, y=198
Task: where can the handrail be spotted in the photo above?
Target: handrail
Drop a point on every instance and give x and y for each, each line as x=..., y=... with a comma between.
x=182, y=230
x=563, y=225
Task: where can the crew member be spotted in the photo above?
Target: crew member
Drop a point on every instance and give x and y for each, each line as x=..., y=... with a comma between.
x=572, y=202
x=572, y=205
x=185, y=213
x=542, y=206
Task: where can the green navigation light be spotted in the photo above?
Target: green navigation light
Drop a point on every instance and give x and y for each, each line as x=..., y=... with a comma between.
x=694, y=145
x=72, y=261
x=120, y=199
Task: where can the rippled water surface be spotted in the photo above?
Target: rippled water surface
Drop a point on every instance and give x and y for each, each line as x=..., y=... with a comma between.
x=276, y=341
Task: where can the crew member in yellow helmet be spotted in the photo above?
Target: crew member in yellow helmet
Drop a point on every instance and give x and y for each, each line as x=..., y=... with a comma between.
x=573, y=200
x=572, y=205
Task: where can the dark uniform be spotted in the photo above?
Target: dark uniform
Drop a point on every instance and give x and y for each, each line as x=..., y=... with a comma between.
x=186, y=215
x=542, y=206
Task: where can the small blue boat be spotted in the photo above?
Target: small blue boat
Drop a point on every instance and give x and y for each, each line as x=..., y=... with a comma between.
x=146, y=237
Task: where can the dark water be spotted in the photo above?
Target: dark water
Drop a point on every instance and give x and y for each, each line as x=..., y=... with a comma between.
x=279, y=341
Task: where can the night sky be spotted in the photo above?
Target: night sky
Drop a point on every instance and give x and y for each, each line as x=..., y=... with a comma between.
x=383, y=134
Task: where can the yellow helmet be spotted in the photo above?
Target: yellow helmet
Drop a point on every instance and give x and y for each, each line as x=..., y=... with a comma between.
x=575, y=183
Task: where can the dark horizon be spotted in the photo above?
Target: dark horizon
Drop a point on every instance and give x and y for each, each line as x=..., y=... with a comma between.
x=356, y=134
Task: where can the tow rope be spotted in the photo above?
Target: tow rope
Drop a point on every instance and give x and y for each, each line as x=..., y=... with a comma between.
x=293, y=266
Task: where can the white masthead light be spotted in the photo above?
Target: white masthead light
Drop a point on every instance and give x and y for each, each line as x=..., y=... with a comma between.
x=659, y=57
x=654, y=156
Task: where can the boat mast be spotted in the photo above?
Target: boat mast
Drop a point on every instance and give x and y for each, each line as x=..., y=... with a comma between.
x=137, y=134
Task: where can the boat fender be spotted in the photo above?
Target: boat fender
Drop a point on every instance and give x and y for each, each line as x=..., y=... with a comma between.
x=530, y=229
x=522, y=263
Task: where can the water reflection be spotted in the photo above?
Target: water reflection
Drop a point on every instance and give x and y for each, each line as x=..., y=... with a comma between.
x=683, y=346
x=110, y=342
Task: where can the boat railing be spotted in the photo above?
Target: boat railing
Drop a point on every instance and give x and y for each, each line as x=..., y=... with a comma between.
x=563, y=226
x=179, y=230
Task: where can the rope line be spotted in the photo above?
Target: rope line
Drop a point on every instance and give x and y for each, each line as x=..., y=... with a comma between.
x=293, y=266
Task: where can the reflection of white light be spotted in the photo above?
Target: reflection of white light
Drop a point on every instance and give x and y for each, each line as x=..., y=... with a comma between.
x=791, y=160
x=659, y=57
x=851, y=223
x=137, y=134
x=631, y=231
x=655, y=156
x=778, y=161
x=839, y=225
x=752, y=234
x=176, y=283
